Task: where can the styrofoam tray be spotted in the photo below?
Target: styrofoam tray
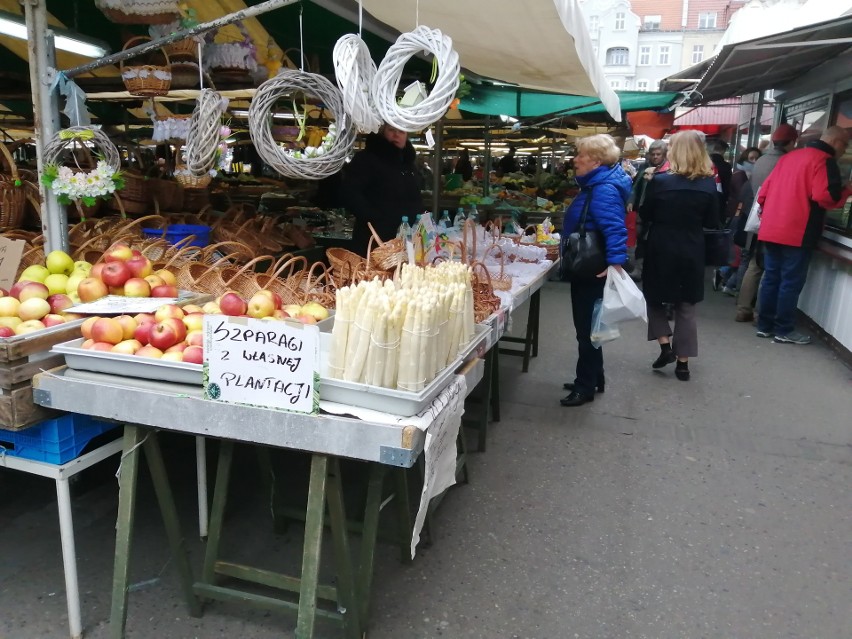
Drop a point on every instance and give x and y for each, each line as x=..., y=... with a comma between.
x=128, y=365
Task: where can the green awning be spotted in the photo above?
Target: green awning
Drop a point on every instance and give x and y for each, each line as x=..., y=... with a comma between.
x=522, y=103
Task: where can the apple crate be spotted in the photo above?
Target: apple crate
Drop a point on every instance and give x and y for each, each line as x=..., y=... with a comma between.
x=55, y=441
x=21, y=357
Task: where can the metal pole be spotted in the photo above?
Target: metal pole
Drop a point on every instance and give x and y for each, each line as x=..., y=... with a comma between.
x=754, y=133
x=437, y=178
x=42, y=58
x=486, y=169
x=153, y=45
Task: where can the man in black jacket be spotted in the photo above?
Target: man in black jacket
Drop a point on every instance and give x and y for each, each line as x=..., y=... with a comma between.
x=381, y=185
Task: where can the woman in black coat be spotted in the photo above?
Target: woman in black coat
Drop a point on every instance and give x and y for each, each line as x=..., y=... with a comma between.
x=381, y=185
x=678, y=206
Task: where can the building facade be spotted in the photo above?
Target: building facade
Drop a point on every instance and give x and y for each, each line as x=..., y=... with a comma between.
x=640, y=42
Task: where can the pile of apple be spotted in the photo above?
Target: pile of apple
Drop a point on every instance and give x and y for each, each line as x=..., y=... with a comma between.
x=125, y=271
x=39, y=298
x=176, y=334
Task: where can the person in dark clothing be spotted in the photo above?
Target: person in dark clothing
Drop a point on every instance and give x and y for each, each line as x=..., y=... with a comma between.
x=530, y=166
x=381, y=185
x=717, y=150
x=463, y=165
x=678, y=206
x=606, y=187
x=655, y=162
x=508, y=163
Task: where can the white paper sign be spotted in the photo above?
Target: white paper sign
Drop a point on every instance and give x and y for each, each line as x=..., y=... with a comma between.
x=10, y=259
x=440, y=451
x=261, y=363
x=120, y=305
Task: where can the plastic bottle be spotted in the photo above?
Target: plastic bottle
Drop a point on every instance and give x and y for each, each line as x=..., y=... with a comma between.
x=404, y=229
x=444, y=222
x=474, y=214
x=458, y=223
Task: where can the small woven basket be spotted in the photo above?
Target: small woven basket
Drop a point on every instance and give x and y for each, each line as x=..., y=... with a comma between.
x=13, y=195
x=139, y=11
x=146, y=80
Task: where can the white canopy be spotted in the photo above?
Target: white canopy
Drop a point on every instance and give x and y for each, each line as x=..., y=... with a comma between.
x=536, y=44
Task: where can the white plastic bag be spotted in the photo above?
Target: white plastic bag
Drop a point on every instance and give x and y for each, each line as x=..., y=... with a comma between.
x=752, y=224
x=602, y=333
x=622, y=299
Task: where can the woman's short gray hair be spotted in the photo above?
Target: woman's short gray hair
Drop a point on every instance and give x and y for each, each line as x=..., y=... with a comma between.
x=659, y=144
x=600, y=147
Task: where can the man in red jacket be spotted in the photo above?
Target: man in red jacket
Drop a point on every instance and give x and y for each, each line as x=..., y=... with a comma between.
x=794, y=198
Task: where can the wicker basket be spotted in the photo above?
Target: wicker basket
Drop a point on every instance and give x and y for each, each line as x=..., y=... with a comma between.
x=501, y=281
x=146, y=80
x=485, y=303
x=13, y=194
x=385, y=256
x=139, y=11
x=183, y=50
x=166, y=194
x=195, y=200
x=189, y=181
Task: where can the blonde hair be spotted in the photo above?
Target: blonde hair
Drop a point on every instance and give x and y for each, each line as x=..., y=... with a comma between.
x=601, y=147
x=688, y=157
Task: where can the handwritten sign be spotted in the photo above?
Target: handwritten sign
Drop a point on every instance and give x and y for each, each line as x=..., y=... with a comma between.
x=121, y=305
x=261, y=363
x=10, y=259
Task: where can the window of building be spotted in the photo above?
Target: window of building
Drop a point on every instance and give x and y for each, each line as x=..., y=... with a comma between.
x=644, y=56
x=707, y=20
x=617, y=56
x=697, y=53
x=641, y=85
x=594, y=25
x=619, y=21
x=665, y=54
x=652, y=23
x=615, y=84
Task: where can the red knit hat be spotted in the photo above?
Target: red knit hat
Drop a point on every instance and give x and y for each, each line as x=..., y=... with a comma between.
x=784, y=133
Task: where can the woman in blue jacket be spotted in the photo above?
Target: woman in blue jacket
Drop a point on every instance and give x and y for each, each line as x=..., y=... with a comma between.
x=602, y=179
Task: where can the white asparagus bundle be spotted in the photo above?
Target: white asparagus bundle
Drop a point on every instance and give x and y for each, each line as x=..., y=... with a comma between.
x=340, y=333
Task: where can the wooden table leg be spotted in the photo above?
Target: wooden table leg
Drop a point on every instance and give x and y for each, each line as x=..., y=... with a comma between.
x=495, y=384
x=217, y=511
x=129, y=470
x=369, y=534
x=168, y=510
x=313, y=547
x=535, y=314
x=405, y=525
x=347, y=594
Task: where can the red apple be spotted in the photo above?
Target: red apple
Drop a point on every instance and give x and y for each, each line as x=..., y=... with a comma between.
x=136, y=252
x=195, y=338
x=118, y=253
x=97, y=269
x=149, y=351
x=91, y=289
x=194, y=355
x=5, y=331
x=106, y=329
x=33, y=289
x=142, y=334
x=137, y=287
x=140, y=266
x=168, y=310
x=164, y=290
x=163, y=336
x=180, y=347
x=59, y=302
x=280, y=314
x=145, y=318
x=154, y=281
x=178, y=326
x=115, y=274
x=52, y=319
x=232, y=304
x=101, y=346
x=15, y=291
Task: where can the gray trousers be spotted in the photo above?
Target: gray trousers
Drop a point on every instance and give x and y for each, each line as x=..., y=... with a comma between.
x=685, y=339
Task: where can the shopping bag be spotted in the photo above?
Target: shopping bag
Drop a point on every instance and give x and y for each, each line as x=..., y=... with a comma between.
x=602, y=333
x=752, y=224
x=622, y=299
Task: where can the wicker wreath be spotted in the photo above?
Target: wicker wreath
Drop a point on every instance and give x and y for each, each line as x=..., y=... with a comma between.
x=323, y=161
x=386, y=82
x=203, y=137
x=355, y=70
x=80, y=134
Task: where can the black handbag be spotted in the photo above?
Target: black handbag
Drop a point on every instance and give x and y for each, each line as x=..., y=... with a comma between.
x=717, y=247
x=583, y=251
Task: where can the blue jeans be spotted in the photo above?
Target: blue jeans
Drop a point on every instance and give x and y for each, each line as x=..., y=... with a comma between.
x=784, y=275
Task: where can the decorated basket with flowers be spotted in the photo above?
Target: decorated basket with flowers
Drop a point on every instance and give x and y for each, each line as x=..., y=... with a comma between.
x=236, y=57
x=224, y=155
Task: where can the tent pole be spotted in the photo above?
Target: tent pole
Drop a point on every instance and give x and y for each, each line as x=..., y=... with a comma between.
x=486, y=169
x=437, y=163
x=42, y=59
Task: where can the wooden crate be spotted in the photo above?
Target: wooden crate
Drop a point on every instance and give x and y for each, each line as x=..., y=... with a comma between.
x=21, y=357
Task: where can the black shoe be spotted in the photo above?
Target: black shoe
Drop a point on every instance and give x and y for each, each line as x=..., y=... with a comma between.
x=569, y=386
x=576, y=399
x=666, y=357
x=682, y=371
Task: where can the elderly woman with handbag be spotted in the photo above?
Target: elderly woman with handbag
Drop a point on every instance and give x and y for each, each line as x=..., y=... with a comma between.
x=678, y=206
x=594, y=237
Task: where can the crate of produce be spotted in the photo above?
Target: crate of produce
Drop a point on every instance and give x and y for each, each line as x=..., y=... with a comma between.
x=174, y=233
x=21, y=357
x=55, y=441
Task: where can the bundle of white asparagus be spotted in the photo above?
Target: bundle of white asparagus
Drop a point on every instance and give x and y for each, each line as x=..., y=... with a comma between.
x=401, y=334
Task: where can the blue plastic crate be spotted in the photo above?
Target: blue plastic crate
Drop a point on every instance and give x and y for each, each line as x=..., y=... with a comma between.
x=55, y=441
x=176, y=232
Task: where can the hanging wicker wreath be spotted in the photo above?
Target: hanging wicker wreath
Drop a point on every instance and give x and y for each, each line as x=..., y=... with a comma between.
x=67, y=138
x=312, y=163
x=389, y=73
x=355, y=70
x=204, y=137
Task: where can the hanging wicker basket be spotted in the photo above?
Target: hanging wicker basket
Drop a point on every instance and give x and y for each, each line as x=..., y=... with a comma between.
x=139, y=11
x=146, y=80
x=13, y=195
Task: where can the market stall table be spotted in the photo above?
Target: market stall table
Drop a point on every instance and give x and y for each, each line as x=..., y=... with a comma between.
x=148, y=406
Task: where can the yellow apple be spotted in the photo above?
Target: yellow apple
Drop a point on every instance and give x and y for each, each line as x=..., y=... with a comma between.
x=59, y=262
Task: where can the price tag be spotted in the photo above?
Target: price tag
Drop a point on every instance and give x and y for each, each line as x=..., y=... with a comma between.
x=271, y=364
x=10, y=259
x=541, y=202
x=121, y=305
